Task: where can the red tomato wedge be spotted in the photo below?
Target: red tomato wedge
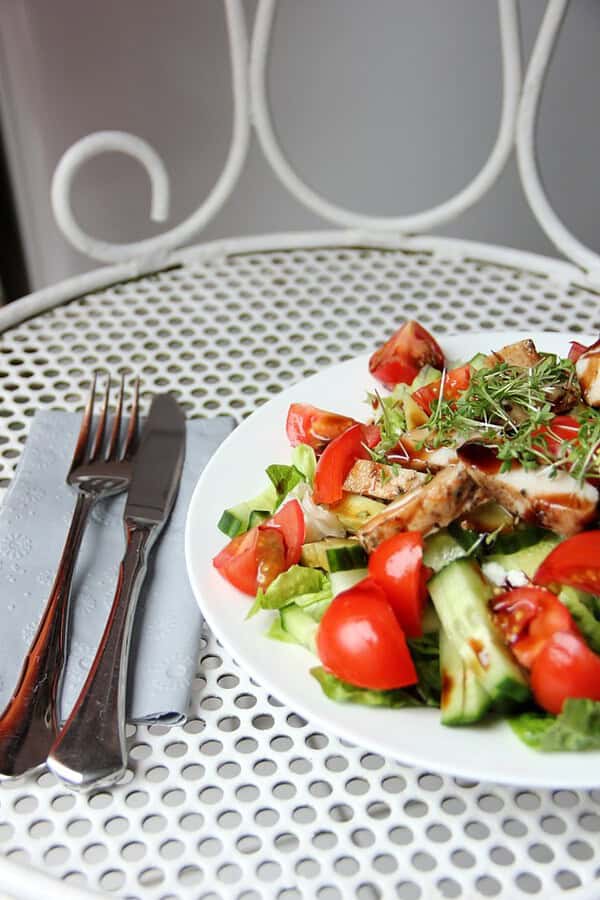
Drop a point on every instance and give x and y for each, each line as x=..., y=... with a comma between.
x=336, y=461
x=575, y=562
x=455, y=382
x=289, y=520
x=316, y=427
x=256, y=558
x=408, y=350
x=253, y=559
x=528, y=617
x=562, y=429
x=397, y=566
x=565, y=667
x=372, y=435
x=578, y=349
x=359, y=640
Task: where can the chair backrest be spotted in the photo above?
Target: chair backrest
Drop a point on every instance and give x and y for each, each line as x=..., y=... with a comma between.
x=249, y=63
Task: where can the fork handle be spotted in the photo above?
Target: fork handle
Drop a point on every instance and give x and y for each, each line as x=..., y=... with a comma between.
x=28, y=725
x=91, y=748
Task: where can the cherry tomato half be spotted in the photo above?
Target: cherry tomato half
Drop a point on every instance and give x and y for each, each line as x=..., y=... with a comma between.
x=565, y=667
x=316, y=427
x=254, y=559
x=337, y=459
x=575, y=562
x=359, y=640
x=528, y=617
x=408, y=350
x=455, y=382
x=397, y=566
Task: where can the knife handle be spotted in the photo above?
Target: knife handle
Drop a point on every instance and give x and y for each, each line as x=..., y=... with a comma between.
x=91, y=748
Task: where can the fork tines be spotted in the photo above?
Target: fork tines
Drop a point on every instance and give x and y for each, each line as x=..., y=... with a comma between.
x=87, y=449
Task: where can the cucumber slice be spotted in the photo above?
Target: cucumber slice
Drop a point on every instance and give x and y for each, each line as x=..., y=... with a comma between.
x=464, y=536
x=488, y=517
x=581, y=606
x=235, y=520
x=354, y=510
x=300, y=626
x=479, y=361
x=440, y=549
x=317, y=610
x=452, y=671
x=464, y=700
x=343, y=559
x=528, y=559
x=315, y=554
x=257, y=517
x=343, y=581
x=425, y=376
x=520, y=538
x=276, y=633
x=460, y=595
x=505, y=543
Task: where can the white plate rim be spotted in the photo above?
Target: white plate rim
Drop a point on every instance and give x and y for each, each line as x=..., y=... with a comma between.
x=559, y=773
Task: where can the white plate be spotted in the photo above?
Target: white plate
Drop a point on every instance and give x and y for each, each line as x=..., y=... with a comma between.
x=236, y=472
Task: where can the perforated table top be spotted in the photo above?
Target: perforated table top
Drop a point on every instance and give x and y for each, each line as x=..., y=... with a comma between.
x=247, y=800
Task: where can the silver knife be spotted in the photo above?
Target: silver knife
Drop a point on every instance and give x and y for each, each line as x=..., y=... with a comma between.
x=91, y=748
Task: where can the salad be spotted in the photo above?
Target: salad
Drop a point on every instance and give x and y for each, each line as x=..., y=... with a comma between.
x=445, y=551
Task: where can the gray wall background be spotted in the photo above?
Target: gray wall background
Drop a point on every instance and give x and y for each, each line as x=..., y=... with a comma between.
x=386, y=107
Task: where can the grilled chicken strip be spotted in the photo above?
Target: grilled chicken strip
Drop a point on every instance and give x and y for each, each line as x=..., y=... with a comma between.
x=449, y=494
x=375, y=479
x=522, y=354
x=560, y=504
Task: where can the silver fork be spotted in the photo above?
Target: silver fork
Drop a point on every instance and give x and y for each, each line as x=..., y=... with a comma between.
x=29, y=724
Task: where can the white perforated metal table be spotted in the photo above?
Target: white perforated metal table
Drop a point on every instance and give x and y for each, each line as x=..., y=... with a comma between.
x=248, y=800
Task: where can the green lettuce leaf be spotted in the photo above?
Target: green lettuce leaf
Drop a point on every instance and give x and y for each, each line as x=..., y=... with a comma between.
x=576, y=728
x=342, y=692
x=284, y=479
x=299, y=584
x=305, y=461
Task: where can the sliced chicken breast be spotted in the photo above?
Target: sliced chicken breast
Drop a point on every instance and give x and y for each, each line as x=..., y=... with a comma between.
x=411, y=453
x=588, y=374
x=375, y=479
x=449, y=494
x=559, y=504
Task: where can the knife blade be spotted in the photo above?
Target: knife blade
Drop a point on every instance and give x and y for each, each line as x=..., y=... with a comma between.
x=158, y=464
x=91, y=748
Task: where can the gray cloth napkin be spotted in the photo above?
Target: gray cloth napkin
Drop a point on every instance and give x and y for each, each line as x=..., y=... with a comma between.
x=34, y=519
